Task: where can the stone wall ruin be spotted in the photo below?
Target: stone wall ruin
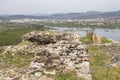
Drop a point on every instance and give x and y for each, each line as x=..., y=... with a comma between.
x=56, y=52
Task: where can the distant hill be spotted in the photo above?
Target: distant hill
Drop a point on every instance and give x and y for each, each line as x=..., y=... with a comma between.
x=86, y=15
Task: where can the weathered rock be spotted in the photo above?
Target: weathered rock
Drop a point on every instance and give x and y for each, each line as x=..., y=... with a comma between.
x=37, y=65
x=83, y=70
x=42, y=53
x=115, y=59
x=39, y=37
x=40, y=59
x=50, y=71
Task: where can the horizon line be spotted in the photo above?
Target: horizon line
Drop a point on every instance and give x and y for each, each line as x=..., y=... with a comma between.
x=45, y=14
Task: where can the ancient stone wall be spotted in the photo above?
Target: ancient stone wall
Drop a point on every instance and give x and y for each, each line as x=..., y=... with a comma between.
x=56, y=52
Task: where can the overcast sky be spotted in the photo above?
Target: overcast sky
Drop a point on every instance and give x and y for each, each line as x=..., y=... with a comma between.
x=56, y=6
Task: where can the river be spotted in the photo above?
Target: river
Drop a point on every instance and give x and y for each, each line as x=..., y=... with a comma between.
x=113, y=34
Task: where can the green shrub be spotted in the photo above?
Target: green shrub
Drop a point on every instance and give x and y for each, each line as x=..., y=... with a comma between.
x=105, y=40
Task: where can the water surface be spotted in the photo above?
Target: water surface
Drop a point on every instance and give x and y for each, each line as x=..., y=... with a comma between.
x=109, y=33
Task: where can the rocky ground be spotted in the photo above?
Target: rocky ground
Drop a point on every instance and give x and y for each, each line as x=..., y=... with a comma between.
x=53, y=53
x=42, y=55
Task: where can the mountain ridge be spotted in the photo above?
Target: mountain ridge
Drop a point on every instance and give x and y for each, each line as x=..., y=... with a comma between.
x=72, y=15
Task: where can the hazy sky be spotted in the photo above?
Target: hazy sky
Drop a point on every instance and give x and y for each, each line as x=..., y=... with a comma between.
x=56, y=6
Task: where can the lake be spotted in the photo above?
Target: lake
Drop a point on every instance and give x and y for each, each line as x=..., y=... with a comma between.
x=109, y=33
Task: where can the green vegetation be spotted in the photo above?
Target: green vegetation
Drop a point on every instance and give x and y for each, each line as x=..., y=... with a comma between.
x=25, y=43
x=81, y=24
x=65, y=76
x=105, y=40
x=98, y=61
x=2, y=28
x=64, y=24
x=88, y=40
x=13, y=36
x=15, y=59
x=11, y=26
x=0, y=50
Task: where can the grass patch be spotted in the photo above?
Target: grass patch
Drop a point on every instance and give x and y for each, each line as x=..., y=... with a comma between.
x=93, y=49
x=0, y=50
x=16, y=60
x=88, y=40
x=25, y=43
x=14, y=31
x=98, y=61
x=2, y=28
x=13, y=37
x=105, y=40
x=64, y=76
x=97, y=58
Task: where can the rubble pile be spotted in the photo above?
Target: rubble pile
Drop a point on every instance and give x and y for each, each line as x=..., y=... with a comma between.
x=54, y=53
